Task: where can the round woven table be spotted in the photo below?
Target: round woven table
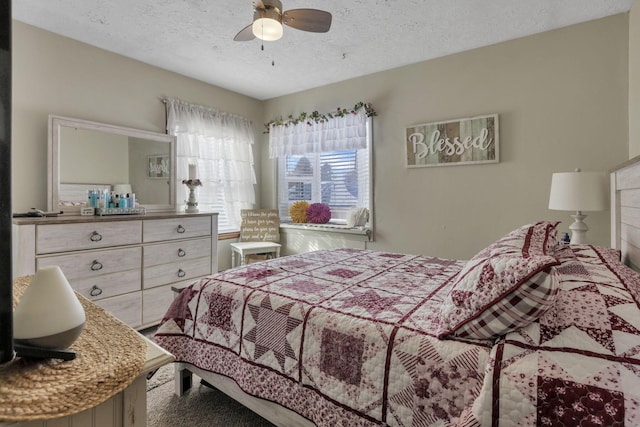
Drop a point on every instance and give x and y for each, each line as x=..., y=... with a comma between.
x=110, y=355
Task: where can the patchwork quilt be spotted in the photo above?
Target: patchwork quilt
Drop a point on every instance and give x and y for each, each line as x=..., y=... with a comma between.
x=349, y=337
x=580, y=363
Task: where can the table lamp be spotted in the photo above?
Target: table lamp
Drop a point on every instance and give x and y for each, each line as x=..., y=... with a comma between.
x=48, y=317
x=578, y=191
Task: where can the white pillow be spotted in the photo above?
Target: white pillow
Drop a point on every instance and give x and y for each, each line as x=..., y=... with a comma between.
x=357, y=217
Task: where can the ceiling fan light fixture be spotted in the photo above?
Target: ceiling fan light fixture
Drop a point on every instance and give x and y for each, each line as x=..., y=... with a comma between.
x=268, y=21
x=267, y=25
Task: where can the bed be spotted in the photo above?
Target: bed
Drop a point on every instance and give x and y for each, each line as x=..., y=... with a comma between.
x=527, y=332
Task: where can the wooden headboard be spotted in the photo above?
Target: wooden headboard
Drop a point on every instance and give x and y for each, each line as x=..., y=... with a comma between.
x=625, y=211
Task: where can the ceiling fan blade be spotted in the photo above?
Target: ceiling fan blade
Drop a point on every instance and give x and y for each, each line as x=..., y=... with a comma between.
x=245, y=34
x=314, y=20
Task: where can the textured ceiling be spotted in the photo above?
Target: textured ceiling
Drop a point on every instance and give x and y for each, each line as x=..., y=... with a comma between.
x=195, y=37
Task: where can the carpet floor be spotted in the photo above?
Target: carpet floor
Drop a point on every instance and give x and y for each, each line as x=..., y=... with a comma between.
x=201, y=406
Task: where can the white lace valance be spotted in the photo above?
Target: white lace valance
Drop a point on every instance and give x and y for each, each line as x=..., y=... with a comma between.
x=348, y=132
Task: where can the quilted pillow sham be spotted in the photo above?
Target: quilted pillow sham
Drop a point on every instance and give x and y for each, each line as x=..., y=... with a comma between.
x=538, y=238
x=498, y=295
x=504, y=287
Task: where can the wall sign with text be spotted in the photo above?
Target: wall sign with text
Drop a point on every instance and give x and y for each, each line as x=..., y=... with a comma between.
x=455, y=142
x=260, y=225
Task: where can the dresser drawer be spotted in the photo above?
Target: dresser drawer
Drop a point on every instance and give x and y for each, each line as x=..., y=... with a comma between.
x=95, y=263
x=52, y=238
x=127, y=308
x=164, y=253
x=175, y=228
x=108, y=285
x=169, y=273
x=155, y=303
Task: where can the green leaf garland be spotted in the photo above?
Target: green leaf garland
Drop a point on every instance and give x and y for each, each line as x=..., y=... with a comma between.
x=320, y=118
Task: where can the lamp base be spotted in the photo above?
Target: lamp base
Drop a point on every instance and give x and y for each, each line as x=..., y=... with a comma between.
x=31, y=352
x=578, y=229
x=61, y=340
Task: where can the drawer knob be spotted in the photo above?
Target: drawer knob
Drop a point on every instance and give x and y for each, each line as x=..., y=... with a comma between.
x=95, y=236
x=181, y=273
x=95, y=291
x=181, y=229
x=96, y=265
x=181, y=253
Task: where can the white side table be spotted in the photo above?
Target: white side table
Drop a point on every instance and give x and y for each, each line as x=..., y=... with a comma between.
x=244, y=249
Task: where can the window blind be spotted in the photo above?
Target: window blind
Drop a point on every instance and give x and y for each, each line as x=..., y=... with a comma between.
x=339, y=179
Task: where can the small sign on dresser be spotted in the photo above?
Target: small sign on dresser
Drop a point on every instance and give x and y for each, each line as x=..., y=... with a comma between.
x=87, y=211
x=260, y=225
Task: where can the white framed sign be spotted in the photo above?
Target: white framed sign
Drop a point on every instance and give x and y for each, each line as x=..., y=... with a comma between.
x=455, y=142
x=158, y=166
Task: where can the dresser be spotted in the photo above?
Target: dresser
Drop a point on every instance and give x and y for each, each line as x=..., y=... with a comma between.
x=126, y=264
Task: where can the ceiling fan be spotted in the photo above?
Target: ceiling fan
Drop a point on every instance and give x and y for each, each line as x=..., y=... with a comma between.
x=268, y=18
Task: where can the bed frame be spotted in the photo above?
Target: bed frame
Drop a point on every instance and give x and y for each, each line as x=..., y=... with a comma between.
x=272, y=412
x=625, y=235
x=625, y=211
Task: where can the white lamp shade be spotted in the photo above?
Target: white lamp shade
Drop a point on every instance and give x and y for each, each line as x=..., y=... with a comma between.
x=49, y=313
x=578, y=191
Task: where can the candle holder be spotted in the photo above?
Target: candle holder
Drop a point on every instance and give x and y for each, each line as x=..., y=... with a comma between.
x=192, y=203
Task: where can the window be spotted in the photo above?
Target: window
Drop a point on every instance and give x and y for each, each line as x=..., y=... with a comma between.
x=211, y=198
x=324, y=159
x=340, y=179
x=214, y=147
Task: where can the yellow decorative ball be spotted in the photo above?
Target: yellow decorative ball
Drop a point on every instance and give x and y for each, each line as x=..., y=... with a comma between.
x=298, y=211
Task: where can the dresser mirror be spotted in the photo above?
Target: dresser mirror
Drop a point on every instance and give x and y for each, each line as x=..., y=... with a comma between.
x=85, y=155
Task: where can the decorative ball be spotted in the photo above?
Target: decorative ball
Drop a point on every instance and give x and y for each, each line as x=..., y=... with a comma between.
x=318, y=213
x=298, y=211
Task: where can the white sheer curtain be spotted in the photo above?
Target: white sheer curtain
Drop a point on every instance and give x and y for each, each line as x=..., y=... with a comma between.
x=219, y=145
x=348, y=132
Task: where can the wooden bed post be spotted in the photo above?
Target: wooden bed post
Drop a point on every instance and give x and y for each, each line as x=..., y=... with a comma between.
x=183, y=379
x=615, y=213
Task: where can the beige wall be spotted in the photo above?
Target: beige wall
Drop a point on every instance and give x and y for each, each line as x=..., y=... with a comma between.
x=634, y=80
x=57, y=75
x=562, y=101
x=562, y=98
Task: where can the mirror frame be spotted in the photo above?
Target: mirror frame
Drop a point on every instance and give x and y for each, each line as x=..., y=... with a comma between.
x=53, y=158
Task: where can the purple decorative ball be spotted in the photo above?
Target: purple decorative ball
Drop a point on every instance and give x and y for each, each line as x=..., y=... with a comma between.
x=318, y=213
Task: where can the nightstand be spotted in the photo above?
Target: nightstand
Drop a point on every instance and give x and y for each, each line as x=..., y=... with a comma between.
x=244, y=249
